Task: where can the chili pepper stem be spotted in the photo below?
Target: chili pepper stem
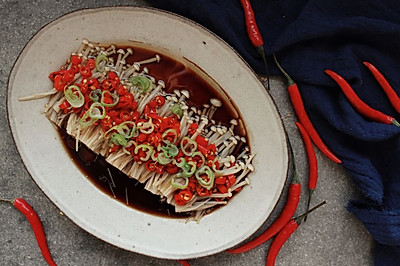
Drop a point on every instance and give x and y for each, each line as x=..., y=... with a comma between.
x=396, y=123
x=310, y=192
x=261, y=51
x=288, y=78
x=301, y=216
x=7, y=200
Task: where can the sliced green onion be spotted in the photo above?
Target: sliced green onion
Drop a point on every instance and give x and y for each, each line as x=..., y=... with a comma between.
x=162, y=159
x=181, y=163
x=189, y=169
x=167, y=132
x=186, y=143
x=127, y=129
x=143, y=83
x=95, y=95
x=147, y=127
x=114, y=96
x=170, y=150
x=176, y=109
x=207, y=181
x=95, y=112
x=101, y=61
x=74, y=96
x=176, y=182
x=144, y=147
x=130, y=143
x=117, y=139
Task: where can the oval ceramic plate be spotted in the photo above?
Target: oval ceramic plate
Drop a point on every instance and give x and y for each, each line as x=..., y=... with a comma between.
x=97, y=213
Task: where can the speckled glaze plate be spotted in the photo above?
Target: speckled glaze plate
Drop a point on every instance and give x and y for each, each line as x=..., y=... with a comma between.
x=96, y=212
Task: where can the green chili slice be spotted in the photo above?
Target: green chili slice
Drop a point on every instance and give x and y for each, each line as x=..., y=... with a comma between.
x=114, y=97
x=168, y=132
x=188, y=169
x=95, y=112
x=181, y=163
x=143, y=83
x=179, y=182
x=117, y=139
x=74, y=96
x=95, y=95
x=101, y=61
x=176, y=109
x=162, y=159
x=127, y=129
x=188, y=146
x=147, y=127
x=170, y=150
x=205, y=176
x=145, y=148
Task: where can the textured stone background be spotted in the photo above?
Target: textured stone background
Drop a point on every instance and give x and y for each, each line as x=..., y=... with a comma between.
x=331, y=236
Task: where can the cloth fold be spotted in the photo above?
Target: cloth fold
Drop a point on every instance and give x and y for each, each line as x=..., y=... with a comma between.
x=309, y=37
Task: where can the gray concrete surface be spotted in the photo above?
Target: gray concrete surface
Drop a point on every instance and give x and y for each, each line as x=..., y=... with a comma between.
x=331, y=236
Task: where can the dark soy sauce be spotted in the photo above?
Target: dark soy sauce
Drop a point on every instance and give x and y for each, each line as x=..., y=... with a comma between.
x=116, y=184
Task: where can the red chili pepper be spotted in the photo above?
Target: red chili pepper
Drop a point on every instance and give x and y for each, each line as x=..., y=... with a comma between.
x=298, y=106
x=75, y=69
x=279, y=240
x=68, y=76
x=312, y=163
x=251, y=24
x=85, y=72
x=183, y=196
x=286, y=214
x=91, y=64
x=54, y=74
x=76, y=59
x=390, y=92
x=284, y=235
x=171, y=169
x=220, y=180
x=184, y=262
x=202, y=191
x=93, y=84
x=36, y=225
x=192, y=128
x=363, y=108
x=59, y=83
x=160, y=100
x=65, y=106
x=254, y=33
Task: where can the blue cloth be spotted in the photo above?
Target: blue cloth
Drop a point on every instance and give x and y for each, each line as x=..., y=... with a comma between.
x=308, y=37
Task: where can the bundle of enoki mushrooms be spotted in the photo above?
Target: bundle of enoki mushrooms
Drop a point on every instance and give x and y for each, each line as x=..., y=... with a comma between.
x=119, y=111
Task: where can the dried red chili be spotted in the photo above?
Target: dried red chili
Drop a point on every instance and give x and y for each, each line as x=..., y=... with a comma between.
x=298, y=106
x=362, y=107
x=312, y=163
x=37, y=227
x=254, y=33
x=389, y=91
x=286, y=214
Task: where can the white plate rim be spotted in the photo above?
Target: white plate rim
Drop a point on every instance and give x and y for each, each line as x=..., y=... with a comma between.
x=92, y=231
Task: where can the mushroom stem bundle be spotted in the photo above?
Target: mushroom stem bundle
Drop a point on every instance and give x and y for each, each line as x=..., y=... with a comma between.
x=121, y=112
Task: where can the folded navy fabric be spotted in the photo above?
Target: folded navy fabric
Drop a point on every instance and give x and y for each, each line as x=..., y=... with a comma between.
x=309, y=37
